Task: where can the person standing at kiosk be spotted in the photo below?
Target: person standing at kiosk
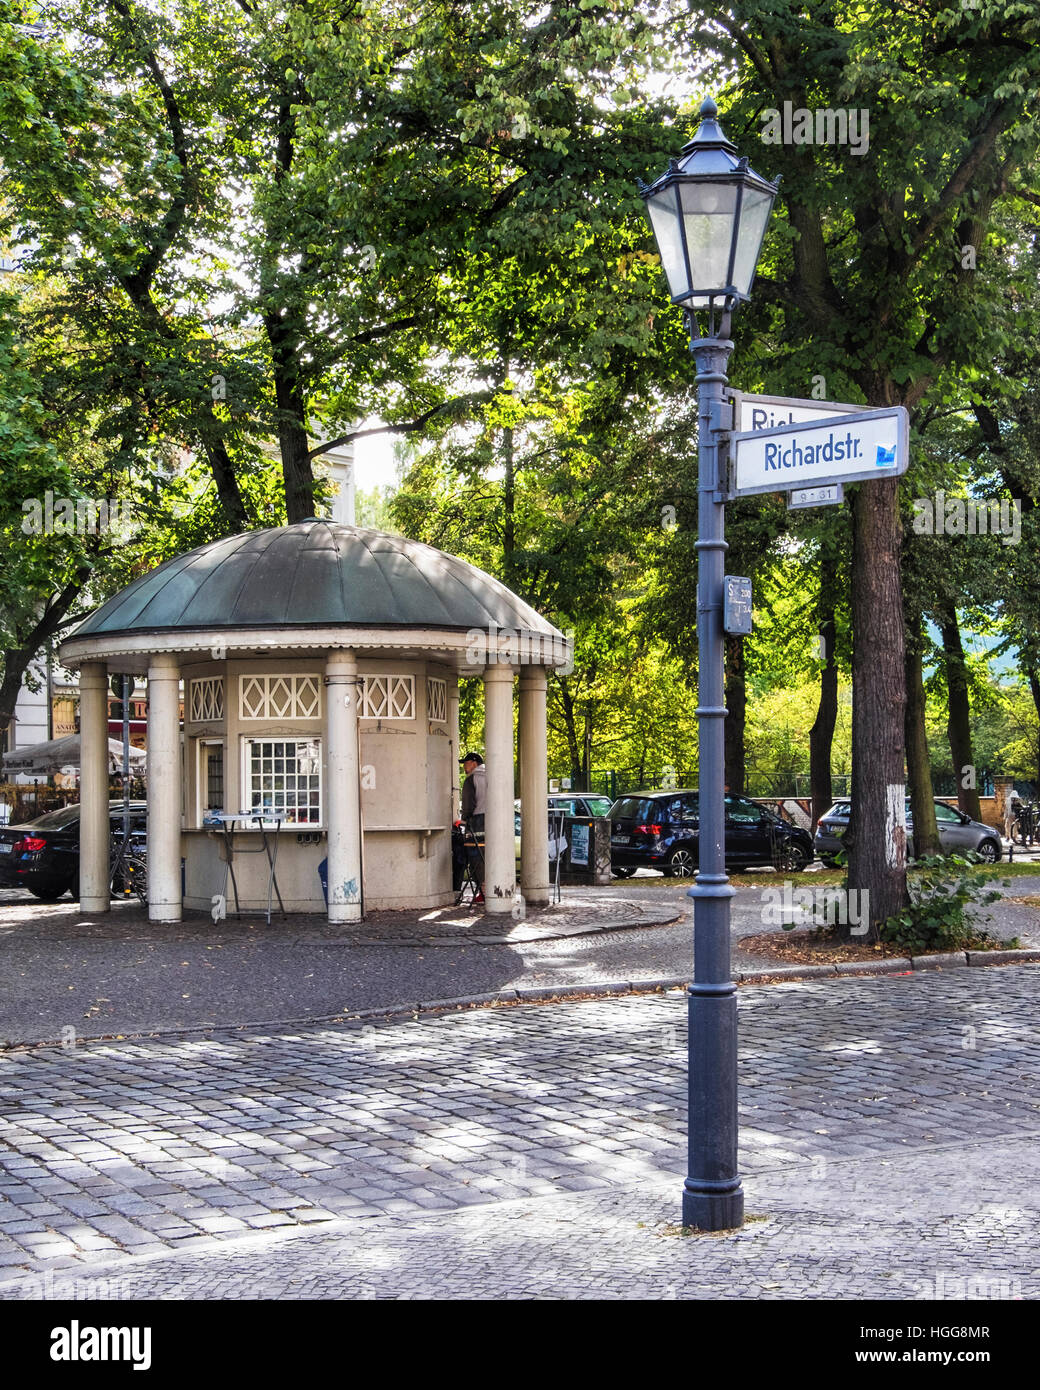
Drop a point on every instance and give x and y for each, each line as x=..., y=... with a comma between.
x=474, y=803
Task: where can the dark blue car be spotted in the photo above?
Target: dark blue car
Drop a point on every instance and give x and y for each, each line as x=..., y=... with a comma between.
x=659, y=830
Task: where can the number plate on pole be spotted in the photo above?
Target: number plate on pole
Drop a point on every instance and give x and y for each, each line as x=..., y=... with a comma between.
x=827, y=495
x=737, y=608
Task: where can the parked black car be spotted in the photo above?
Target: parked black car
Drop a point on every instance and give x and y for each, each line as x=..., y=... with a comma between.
x=43, y=854
x=658, y=830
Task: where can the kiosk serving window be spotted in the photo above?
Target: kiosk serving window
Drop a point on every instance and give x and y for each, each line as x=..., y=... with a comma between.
x=283, y=779
x=211, y=775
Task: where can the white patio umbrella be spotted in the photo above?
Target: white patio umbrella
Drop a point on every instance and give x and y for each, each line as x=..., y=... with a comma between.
x=60, y=754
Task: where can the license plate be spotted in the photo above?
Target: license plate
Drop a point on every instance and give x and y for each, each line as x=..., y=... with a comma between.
x=5, y=848
x=619, y=839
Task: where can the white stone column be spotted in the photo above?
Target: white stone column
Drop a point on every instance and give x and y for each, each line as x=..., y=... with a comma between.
x=164, y=790
x=343, y=787
x=534, y=787
x=500, y=851
x=93, y=788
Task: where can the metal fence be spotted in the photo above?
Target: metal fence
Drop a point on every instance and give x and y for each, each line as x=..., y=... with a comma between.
x=615, y=782
x=25, y=801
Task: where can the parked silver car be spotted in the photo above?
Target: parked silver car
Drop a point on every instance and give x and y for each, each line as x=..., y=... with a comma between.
x=957, y=832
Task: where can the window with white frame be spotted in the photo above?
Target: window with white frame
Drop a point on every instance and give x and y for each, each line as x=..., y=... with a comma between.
x=436, y=699
x=206, y=704
x=388, y=697
x=283, y=779
x=279, y=697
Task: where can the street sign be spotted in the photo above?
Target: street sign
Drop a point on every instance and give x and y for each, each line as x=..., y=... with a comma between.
x=848, y=448
x=769, y=412
x=737, y=610
x=117, y=686
x=827, y=495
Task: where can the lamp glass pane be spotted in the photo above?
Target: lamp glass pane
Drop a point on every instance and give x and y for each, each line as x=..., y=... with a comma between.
x=754, y=215
x=664, y=218
x=709, y=214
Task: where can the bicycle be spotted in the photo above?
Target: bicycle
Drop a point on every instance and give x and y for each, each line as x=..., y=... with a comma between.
x=128, y=868
x=1027, y=824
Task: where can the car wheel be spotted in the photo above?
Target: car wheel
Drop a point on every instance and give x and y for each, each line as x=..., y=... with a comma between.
x=622, y=870
x=49, y=893
x=682, y=863
x=989, y=851
x=797, y=858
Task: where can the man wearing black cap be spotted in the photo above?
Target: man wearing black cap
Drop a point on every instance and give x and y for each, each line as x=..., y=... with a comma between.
x=474, y=802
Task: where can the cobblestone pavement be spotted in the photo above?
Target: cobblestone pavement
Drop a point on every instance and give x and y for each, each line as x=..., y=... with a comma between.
x=908, y=1227
x=120, y=1150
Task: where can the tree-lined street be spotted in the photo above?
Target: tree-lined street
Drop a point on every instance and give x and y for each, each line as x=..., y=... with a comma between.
x=422, y=410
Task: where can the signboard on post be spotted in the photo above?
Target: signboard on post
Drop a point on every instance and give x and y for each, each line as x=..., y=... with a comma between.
x=756, y=413
x=580, y=844
x=850, y=448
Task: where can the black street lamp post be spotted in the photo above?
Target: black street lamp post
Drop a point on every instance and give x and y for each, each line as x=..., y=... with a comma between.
x=709, y=214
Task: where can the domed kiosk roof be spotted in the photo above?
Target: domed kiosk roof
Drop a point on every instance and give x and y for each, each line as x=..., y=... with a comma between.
x=298, y=582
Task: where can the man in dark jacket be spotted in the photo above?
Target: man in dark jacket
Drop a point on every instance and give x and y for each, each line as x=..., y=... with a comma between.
x=474, y=803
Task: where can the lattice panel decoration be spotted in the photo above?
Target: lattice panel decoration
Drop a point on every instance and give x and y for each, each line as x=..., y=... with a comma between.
x=388, y=697
x=207, y=700
x=436, y=700
x=279, y=697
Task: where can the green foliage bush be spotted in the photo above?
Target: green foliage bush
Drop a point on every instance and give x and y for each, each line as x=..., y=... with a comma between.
x=941, y=887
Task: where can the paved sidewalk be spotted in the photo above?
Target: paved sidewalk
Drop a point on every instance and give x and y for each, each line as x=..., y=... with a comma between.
x=908, y=1227
x=889, y=1124
x=580, y=912
x=69, y=976
x=89, y=976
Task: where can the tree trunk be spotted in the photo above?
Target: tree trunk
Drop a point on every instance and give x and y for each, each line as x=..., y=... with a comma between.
x=958, y=723
x=570, y=727
x=877, y=826
x=296, y=468
x=292, y=417
x=586, y=755
x=736, y=715
x=509, y=520
x=1034, y=686
x=821, y=735
x=919, y=771
x=17, y=660
x=508, y=488
x=223, y=471
x=16, y=663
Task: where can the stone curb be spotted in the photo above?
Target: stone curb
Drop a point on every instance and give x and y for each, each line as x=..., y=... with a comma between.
x=399, y=1012
x=891, y=965
x=943, y=960
x=1002, y=957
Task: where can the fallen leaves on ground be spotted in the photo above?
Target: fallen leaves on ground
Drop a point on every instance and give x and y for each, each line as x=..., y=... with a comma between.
x=806, y=947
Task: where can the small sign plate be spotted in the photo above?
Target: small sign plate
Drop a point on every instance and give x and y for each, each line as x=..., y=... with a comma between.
x=737, y=608
x=827, y=495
